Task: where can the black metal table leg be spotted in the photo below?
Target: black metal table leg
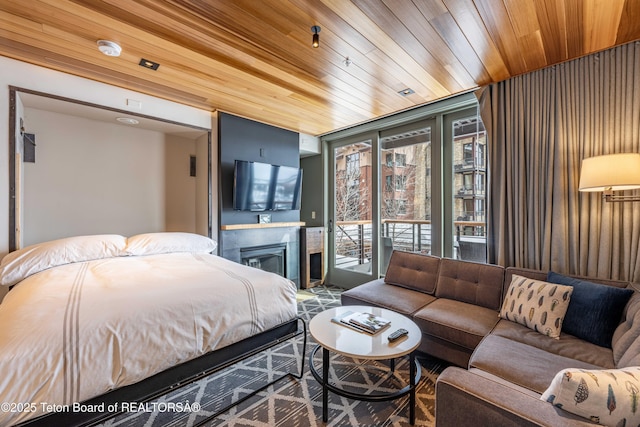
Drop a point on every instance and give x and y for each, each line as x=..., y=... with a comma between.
x=325, y=382
x=412, y=393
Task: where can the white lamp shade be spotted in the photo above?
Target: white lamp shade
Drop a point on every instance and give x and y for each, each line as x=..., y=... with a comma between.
x=614, y=171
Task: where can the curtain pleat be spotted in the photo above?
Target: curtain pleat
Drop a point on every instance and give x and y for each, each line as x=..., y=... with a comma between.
x=540, y=127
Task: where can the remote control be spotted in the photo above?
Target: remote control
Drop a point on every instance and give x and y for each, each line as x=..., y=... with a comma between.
x=397, y=334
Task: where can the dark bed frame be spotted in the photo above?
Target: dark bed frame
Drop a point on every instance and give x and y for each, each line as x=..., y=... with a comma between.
x=181, y=375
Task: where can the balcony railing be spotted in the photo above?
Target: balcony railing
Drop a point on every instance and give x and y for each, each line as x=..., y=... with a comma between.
x=408, y=235
x=353, y=243
x=469, y=166
x=464, y=191
x=354, y=239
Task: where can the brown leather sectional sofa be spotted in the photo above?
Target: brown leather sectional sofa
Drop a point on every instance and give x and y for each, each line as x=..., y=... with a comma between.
x=501, y=368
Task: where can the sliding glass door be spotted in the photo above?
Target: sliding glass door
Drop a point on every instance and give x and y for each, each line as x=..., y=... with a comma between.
x=353, y=252
x=417, y=187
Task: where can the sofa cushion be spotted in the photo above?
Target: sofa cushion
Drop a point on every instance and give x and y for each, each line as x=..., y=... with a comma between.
x=567, y=346
x=445, y=350
x=626, y=338
x=631, y=357
x=377, y=293
x=457, y=322
x=595, y=310
x=522, y=364
x=608, y=397
x=538, y=305
x=413, y=271
x=470, y=282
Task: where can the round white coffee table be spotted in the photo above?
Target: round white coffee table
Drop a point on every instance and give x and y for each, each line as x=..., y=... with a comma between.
x=340, y=339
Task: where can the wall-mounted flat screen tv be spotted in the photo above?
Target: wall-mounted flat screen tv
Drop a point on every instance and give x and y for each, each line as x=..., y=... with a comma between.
x=265, y=187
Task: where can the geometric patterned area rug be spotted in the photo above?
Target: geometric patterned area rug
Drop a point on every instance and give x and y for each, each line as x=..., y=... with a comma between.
x=292, y=402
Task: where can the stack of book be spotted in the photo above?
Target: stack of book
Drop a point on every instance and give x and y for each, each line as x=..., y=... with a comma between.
x=363, y=322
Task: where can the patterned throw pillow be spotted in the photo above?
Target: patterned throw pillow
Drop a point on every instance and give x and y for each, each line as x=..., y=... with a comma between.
x=538, y=305
x=609, y=397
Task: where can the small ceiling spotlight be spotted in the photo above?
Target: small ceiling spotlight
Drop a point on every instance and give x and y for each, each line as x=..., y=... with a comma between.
x=346, y=61
x=316, y=37
x=407, y=91
x=109, y=48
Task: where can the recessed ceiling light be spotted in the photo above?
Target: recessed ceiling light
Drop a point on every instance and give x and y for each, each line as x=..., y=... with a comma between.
x=148, y=64
x=127, y=120
x=109, y=48
x=407, y=91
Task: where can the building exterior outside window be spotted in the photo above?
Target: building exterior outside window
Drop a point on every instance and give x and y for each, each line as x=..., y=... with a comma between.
x=469, y=181
x=405, y=199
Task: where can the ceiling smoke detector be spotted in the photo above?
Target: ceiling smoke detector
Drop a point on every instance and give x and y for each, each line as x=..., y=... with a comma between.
x=109, y=48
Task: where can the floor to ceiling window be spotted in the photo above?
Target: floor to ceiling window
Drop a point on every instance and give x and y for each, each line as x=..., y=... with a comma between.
x=469, y=183
x=406, y=194
x=414, y=185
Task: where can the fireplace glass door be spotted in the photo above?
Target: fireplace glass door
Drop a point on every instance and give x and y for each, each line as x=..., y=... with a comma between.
x=269, y=258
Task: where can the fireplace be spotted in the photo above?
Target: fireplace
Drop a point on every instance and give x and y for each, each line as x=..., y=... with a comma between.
x=236, y=243
x=271, y=258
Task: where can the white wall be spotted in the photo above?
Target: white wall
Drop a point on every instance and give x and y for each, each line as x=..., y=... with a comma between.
x=92, y=177
x=27, y=76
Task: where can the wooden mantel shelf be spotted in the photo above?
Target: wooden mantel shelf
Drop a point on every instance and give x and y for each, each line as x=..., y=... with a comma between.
x=268, y=225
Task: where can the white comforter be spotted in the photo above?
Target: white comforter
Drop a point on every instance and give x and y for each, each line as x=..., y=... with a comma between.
x=76, y=331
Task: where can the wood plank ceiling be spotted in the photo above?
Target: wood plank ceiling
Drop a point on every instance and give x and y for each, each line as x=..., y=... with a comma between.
x=253, y=58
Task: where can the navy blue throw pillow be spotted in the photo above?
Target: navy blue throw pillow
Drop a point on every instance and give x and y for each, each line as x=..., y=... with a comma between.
x=595, y=310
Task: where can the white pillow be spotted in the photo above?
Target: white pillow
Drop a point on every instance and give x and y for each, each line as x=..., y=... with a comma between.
x=167, y=242
x=538, y=305
x=32, y=259
x=606, y=396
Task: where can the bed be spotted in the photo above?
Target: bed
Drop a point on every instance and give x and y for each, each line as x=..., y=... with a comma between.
x=101, y=318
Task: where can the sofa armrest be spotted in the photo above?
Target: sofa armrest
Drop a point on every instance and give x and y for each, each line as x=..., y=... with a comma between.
x=468, y=398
